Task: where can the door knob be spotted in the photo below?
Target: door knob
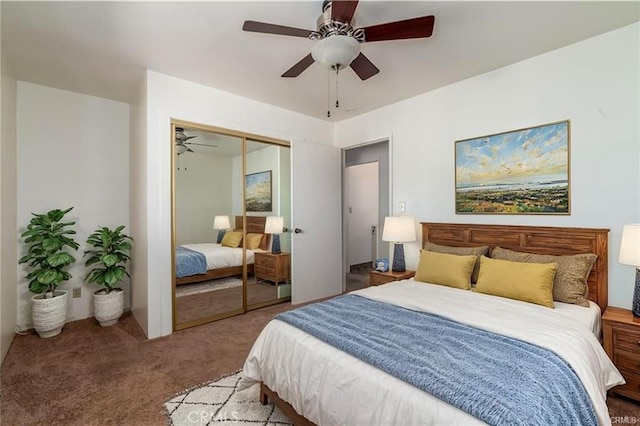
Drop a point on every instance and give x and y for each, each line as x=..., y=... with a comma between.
x=297, y=230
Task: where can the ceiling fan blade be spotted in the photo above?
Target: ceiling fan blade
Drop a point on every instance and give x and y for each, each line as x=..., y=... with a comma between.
x=201, y=144
x=262, y=27
x=364, y=67
x=188, y=137
x=343, y=10
x=297, y=69
x=411, y=28
x=189, y=149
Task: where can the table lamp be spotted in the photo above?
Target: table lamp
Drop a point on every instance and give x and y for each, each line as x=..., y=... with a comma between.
x=274, y=226
x=630, y=255
x=221, y=223
x=398, y=229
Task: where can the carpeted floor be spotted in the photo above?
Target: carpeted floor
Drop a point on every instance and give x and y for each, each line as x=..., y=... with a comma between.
x=90, y=375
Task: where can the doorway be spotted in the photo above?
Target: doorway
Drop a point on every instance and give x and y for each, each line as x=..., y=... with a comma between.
x=366, y=195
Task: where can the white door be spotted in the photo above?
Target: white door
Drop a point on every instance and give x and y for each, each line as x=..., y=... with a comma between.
x=362, y=213
x=316, y=251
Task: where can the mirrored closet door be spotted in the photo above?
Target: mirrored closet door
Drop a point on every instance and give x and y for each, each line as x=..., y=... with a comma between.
x=231, y=200
x=267, y=195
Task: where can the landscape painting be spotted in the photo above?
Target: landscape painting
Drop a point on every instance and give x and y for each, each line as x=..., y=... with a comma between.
x=523, y=171
x=258, y=192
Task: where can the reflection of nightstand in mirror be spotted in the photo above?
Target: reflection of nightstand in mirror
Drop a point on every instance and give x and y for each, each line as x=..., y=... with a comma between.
x=272, y=267
x=379, y=278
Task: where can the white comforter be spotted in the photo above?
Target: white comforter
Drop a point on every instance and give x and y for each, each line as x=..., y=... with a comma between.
x=328, y=386
x=221, y=256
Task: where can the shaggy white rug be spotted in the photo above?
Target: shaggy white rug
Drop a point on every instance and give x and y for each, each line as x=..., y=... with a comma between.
x=220, y=402
x=203, y=287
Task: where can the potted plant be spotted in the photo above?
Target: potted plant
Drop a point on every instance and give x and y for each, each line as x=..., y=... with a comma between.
x=46, y=237
x=109, y=253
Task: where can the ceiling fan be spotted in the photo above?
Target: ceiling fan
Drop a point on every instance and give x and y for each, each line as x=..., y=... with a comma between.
x=338, y=37
x=182, y=145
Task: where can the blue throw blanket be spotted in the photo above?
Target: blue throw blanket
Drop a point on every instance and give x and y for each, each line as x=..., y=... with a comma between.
x=189, y=262
x=497, y=379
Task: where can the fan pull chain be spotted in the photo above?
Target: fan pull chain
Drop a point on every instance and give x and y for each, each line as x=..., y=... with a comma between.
x=337, y=101
x=328, y=94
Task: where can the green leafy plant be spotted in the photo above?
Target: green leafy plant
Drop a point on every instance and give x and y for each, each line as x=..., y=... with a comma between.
x=110, y=253
x=47, y=236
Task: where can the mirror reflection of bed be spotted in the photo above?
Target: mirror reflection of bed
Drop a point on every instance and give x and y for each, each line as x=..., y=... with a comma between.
x=220, y=289
x=215, y=254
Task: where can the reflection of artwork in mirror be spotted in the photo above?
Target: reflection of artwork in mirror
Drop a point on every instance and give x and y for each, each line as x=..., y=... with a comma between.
x=258, y=187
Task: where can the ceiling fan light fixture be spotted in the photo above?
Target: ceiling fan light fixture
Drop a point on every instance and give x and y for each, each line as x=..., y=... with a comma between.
x=180, y=149
x=335, y=52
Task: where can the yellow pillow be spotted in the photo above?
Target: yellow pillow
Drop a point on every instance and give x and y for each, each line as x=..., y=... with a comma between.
x=529, y=282
x=253, y=241
x=445, y=269
x=231, y=239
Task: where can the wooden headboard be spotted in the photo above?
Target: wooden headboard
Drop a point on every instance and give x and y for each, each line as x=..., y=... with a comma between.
x=533, y=239
x=256, y=225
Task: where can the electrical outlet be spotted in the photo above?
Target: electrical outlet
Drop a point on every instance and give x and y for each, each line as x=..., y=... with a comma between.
x=403, y=207
x=77, y=292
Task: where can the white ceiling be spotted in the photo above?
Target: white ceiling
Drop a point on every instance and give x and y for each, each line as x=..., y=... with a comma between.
x=103, y=48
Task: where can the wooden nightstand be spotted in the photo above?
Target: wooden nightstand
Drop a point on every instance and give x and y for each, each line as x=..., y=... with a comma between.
x=621, y=336
x=272, y=267
x=378, y=278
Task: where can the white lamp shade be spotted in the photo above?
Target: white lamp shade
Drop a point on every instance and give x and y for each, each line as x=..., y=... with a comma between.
x=335, y=50
x=221, y=222
x=400, y=229
x=630, y=245
x=181, y=149
x=274, y=225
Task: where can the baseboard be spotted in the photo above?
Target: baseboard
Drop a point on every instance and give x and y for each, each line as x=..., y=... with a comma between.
x=360, y=267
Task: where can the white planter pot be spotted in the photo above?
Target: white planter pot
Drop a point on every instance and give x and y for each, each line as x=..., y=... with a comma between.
x=108, y=306
x=49, y=315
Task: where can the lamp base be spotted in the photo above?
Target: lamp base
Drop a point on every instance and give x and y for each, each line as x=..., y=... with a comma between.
x=275, y=243
x=398, y=258
x=636, y=295
x=221, y=235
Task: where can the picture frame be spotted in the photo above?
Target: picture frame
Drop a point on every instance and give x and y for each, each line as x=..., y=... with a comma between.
x=523, y=171
x=258, y=192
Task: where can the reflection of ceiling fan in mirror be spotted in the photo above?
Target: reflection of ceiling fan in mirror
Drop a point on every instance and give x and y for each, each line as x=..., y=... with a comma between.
x=183, y=146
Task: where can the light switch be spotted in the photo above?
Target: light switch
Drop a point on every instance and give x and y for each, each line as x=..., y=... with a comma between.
x=403, y=206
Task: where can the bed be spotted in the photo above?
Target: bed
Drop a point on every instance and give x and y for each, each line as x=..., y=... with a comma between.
x=203, y=262
x=314, y=382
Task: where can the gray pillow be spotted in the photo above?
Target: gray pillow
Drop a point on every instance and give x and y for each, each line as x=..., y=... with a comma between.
x=570, y=282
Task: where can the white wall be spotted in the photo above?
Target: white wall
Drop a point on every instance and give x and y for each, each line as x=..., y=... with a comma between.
x=203, y=190
x=72, y=151
x=167, y=98
x=138, y=204
x=8, y=195
x=594, y=83
x=285, y=196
